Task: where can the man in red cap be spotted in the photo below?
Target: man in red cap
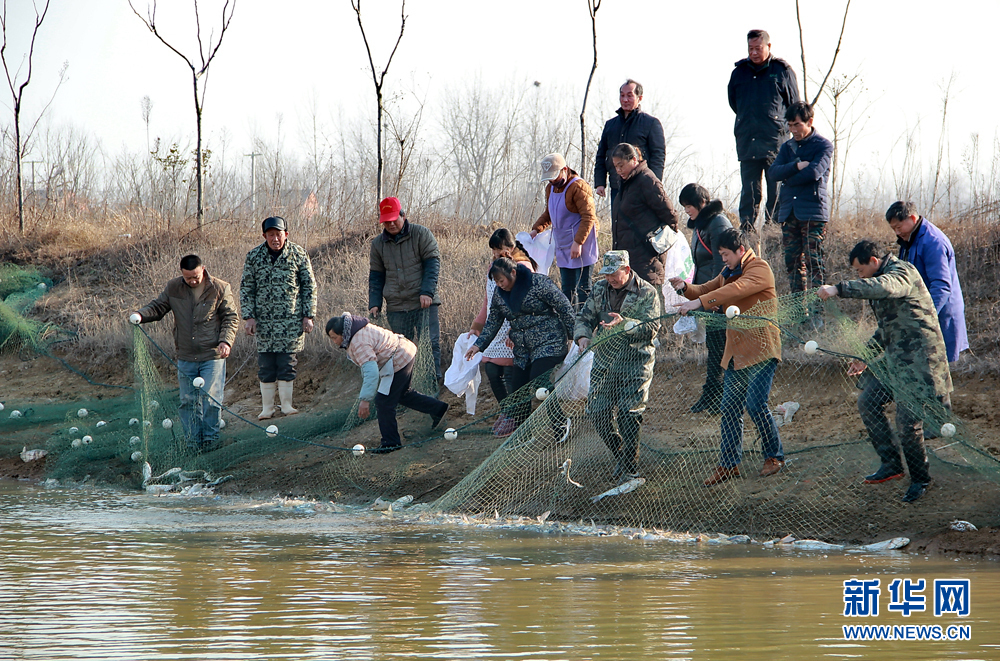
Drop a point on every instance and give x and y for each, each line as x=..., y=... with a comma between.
x=404, y=266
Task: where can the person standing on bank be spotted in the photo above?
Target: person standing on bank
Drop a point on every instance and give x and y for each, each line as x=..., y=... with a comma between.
x=541, y=324
x=803, y=167
x=278, y=302
x=498, y=358
x=750, y=357
x=707, y=220
x=205, y=325
x=761, y=89
x=404, y=265
x=622, y=371
x=386, y=362
x=925, y=246
x=570, y=212
x=640, y=208
x=909, y=345
x=631, y=125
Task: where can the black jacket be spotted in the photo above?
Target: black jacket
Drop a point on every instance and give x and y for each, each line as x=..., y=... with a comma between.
x=759, y=96
x=638, y=129
x=641, y=203
x=705, y=231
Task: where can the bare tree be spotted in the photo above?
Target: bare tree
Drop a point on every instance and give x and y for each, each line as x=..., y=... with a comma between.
x=592, y=7
x=205, y=57
x=945, y=97
x=17, y=96
x=833, y=61
x=379, y=79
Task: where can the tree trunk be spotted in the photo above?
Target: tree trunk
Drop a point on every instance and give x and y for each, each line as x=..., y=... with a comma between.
x=197, y=153
x=17, y=159
x=378, y=182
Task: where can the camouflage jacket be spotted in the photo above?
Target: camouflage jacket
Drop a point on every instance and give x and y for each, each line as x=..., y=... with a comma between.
x=278, y=296
x=908, y=332
x=641, y=303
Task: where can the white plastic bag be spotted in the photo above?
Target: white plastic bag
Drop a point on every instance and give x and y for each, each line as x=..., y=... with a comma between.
x=680, y=264
x=462, y=377
x=542, y=248
x=574, y=383
x=693, y=327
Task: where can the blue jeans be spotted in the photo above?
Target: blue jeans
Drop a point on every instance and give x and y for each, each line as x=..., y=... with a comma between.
x=748, y=389
x=200, y=414
x=576, y=285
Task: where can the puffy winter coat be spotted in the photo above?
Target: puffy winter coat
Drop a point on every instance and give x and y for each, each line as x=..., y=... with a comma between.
x=278, y=294
x=639, y=130
x=760, y=96
x=641, y=206
x=804, y=192
x=705, y=231
x=402, y=268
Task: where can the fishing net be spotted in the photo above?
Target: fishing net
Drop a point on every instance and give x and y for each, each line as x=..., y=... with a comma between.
x=569, y=455
x=811, y=406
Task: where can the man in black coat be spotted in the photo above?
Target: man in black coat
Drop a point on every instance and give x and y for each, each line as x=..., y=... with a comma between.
x=631, y=125
x=761, y=88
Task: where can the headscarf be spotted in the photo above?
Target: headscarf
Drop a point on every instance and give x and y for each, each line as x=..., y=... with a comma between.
x=352, y=324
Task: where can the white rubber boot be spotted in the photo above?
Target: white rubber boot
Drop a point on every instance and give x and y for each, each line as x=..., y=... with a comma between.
x=267, y=391
x=285, y=395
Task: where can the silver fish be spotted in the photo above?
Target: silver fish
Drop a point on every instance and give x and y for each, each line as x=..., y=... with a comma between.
x=887, y=545
x=147, y=472
x=565, y=471
x=31, y=455
x=569, y=423
x=816, y=545
x=626, y=487
x=963, y=526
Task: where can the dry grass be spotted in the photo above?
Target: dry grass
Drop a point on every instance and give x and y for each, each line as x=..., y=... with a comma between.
x=104, y=271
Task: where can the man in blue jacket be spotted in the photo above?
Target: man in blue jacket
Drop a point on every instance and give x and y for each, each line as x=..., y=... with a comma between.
x=630, y=124
x=761, y=88
x=925, y=246
x=803, y=167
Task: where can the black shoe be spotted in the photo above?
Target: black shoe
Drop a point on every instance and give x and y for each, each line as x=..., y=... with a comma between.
x=438, y=417
x=916, y=490
x=885, y=473
x=386, y=449
x=706, y=403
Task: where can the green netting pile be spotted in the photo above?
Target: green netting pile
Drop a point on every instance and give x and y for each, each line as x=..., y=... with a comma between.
x=20, y=288
x=565, y=457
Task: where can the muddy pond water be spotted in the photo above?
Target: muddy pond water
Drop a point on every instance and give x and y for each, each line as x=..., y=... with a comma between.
x=100, y=574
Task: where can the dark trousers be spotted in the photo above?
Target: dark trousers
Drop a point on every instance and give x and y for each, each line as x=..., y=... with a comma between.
x=623, y=442
x=409, y=323
x=499, y=378
x=910, y=428
x=576, y=285
x=715, y=341
x=401, y=393
x=521, y=377
x=750, y=198
x=275, y=366
x=802, y=241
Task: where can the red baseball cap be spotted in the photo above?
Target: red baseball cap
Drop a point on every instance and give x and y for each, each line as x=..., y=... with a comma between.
x=388, y=210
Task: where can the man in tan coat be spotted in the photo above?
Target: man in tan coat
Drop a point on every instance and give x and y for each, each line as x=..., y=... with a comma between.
x=205, y=324
x=753, y=350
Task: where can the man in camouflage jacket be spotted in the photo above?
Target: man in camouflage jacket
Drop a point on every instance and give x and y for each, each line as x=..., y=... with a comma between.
x=623, y=366
x=909, y=363
x=278, y=301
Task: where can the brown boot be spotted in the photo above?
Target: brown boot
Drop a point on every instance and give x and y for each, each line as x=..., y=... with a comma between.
x=722, y=474
x=771, y=467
